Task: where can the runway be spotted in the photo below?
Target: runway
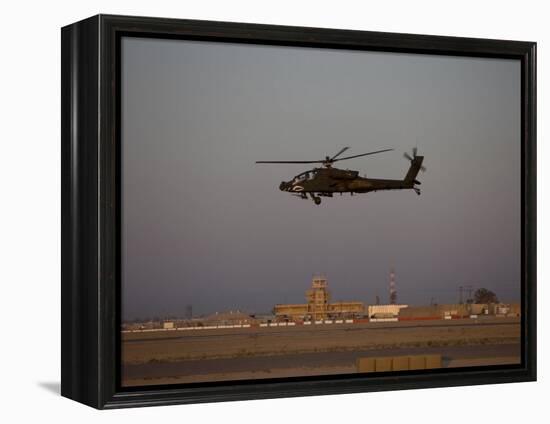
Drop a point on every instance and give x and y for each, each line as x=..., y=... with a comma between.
x=210, y=355
x=311, y=360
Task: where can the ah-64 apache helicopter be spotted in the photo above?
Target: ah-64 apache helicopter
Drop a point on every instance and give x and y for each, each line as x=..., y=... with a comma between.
x=326, y=181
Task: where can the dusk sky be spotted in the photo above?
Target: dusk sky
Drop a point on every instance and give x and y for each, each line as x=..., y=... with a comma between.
x=203, y=225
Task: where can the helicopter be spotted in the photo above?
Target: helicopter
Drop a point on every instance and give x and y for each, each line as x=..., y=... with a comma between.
x=325, y=181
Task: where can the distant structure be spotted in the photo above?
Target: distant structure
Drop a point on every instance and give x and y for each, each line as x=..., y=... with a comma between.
x=168, y=325
x=461, y=290
x=228, y=318
x=318, y=306
x=393, y=290
x=318, y=297
x=188, y=311
x=385, y=312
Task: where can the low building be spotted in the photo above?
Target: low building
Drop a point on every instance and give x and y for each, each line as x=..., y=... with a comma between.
x=441, y=311
x=168, y=325
x=228, y=318
x=385, y=311
x=293, y=311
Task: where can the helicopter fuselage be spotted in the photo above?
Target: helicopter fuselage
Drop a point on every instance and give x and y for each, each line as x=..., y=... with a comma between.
x=334, y=180
x=328, y=180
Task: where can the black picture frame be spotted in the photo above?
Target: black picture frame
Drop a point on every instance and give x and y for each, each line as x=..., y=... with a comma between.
x=90, y=134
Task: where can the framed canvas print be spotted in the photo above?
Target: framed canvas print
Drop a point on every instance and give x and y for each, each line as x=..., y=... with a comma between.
x=253, y=211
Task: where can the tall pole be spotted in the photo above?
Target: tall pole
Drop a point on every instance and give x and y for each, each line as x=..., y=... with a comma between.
x=393, y=291
x=470, y=290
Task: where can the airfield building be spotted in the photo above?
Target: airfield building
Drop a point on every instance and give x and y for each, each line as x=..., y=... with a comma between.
x=318, y=305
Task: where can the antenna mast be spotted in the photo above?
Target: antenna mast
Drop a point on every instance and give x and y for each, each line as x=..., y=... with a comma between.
x=393, y=290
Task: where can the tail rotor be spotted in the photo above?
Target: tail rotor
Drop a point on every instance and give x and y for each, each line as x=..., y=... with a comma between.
x=413, y=157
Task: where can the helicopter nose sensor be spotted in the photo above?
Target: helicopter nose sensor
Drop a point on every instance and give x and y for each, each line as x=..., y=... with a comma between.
x=283, y=186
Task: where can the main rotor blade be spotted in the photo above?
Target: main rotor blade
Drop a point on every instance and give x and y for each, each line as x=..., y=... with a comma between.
x=407, y=156
x=290, y=161
x=364, y=154
x=339, y=153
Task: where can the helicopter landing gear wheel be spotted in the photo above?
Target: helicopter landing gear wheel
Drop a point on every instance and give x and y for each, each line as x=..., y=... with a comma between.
x=316, y=199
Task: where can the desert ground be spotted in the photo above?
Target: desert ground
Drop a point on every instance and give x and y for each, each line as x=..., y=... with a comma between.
x=175, y=356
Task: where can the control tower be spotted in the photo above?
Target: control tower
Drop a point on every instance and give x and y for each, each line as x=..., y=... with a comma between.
x=318, y=297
